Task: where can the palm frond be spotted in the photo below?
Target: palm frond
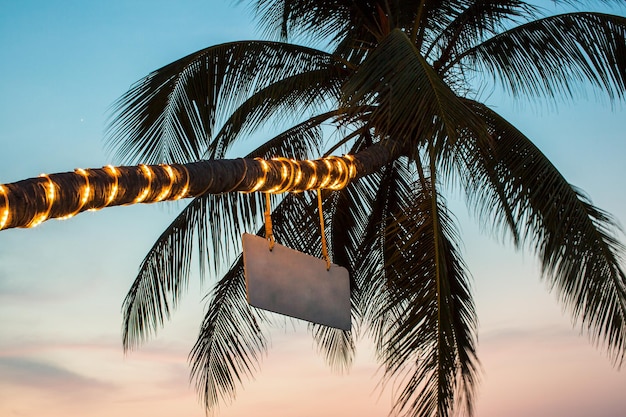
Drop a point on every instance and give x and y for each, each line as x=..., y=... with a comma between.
x=475, y=160
x=230, y=343
x=414, y=105
x=397, y=75
x=472, y=24
x=421, y=317
x=286, y=19
x=432, y=338
x=330, y=22
x=349, y=211
x=337, y=346
x=170, y=115
x=298, y=94
x=575, y=240
x=393, y=191
x=217, y=222
x=302, y=141
x=554, y=57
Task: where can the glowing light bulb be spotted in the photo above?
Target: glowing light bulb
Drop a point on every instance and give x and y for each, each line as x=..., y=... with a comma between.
x=334, y=182
x=163, y=194
x=37, y=220
x=289, y=169
x=258, y=184
x=293, y=174
x=284, y=175
x=170, y=171
x=340, y=165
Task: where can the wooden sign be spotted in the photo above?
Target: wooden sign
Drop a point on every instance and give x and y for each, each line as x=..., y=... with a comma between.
x=293, y=283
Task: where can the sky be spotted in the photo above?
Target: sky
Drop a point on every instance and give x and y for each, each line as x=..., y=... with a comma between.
x=62, y=65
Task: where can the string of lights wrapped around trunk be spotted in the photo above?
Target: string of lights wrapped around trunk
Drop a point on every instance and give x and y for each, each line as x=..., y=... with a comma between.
x=30, y=202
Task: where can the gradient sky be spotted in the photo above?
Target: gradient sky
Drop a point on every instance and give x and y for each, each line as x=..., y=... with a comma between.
x=61, y=285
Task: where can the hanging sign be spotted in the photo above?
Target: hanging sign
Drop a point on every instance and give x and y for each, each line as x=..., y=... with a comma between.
x=293, y=283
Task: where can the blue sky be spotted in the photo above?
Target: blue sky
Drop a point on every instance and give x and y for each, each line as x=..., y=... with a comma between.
x=62, y=284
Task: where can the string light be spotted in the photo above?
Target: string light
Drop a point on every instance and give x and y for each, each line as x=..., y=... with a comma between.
x=327, y=178
x=4, y=218
x=86, y=193
x=148, y=176
x=167, y=190
x=261, y=181
x=287, y=175
x=313, y=179
x=339, y=172
x=298, y=174
x=339, y=180
x=182, y=194
x=293, y=174
x=344, y=174
x=50, y=196
x=37, y=220
x=351, y=166
x=185, y=189
x=114, y=173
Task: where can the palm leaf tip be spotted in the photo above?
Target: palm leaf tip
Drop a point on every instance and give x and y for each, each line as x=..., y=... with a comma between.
x=576, y=243
x=231, y=341
x=430, y=323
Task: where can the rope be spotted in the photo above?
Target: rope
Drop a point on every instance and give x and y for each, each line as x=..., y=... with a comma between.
x=324, y=247
x=269, y=235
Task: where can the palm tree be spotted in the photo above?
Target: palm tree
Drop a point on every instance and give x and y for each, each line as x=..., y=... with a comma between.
x=396, y=86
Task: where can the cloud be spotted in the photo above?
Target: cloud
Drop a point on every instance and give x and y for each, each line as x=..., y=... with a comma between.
x=529, y=334
x=49, y=377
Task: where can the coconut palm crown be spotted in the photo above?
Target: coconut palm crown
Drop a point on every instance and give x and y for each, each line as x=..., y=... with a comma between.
x=401, y=80
x=399, y=75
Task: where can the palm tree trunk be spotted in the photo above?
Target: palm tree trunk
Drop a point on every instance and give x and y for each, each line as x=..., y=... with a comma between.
x=28, y=203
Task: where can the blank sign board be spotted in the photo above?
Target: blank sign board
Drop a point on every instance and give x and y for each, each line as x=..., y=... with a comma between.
x=293, y=283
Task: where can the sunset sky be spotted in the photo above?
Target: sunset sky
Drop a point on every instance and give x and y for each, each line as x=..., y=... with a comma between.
x=63, y=63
